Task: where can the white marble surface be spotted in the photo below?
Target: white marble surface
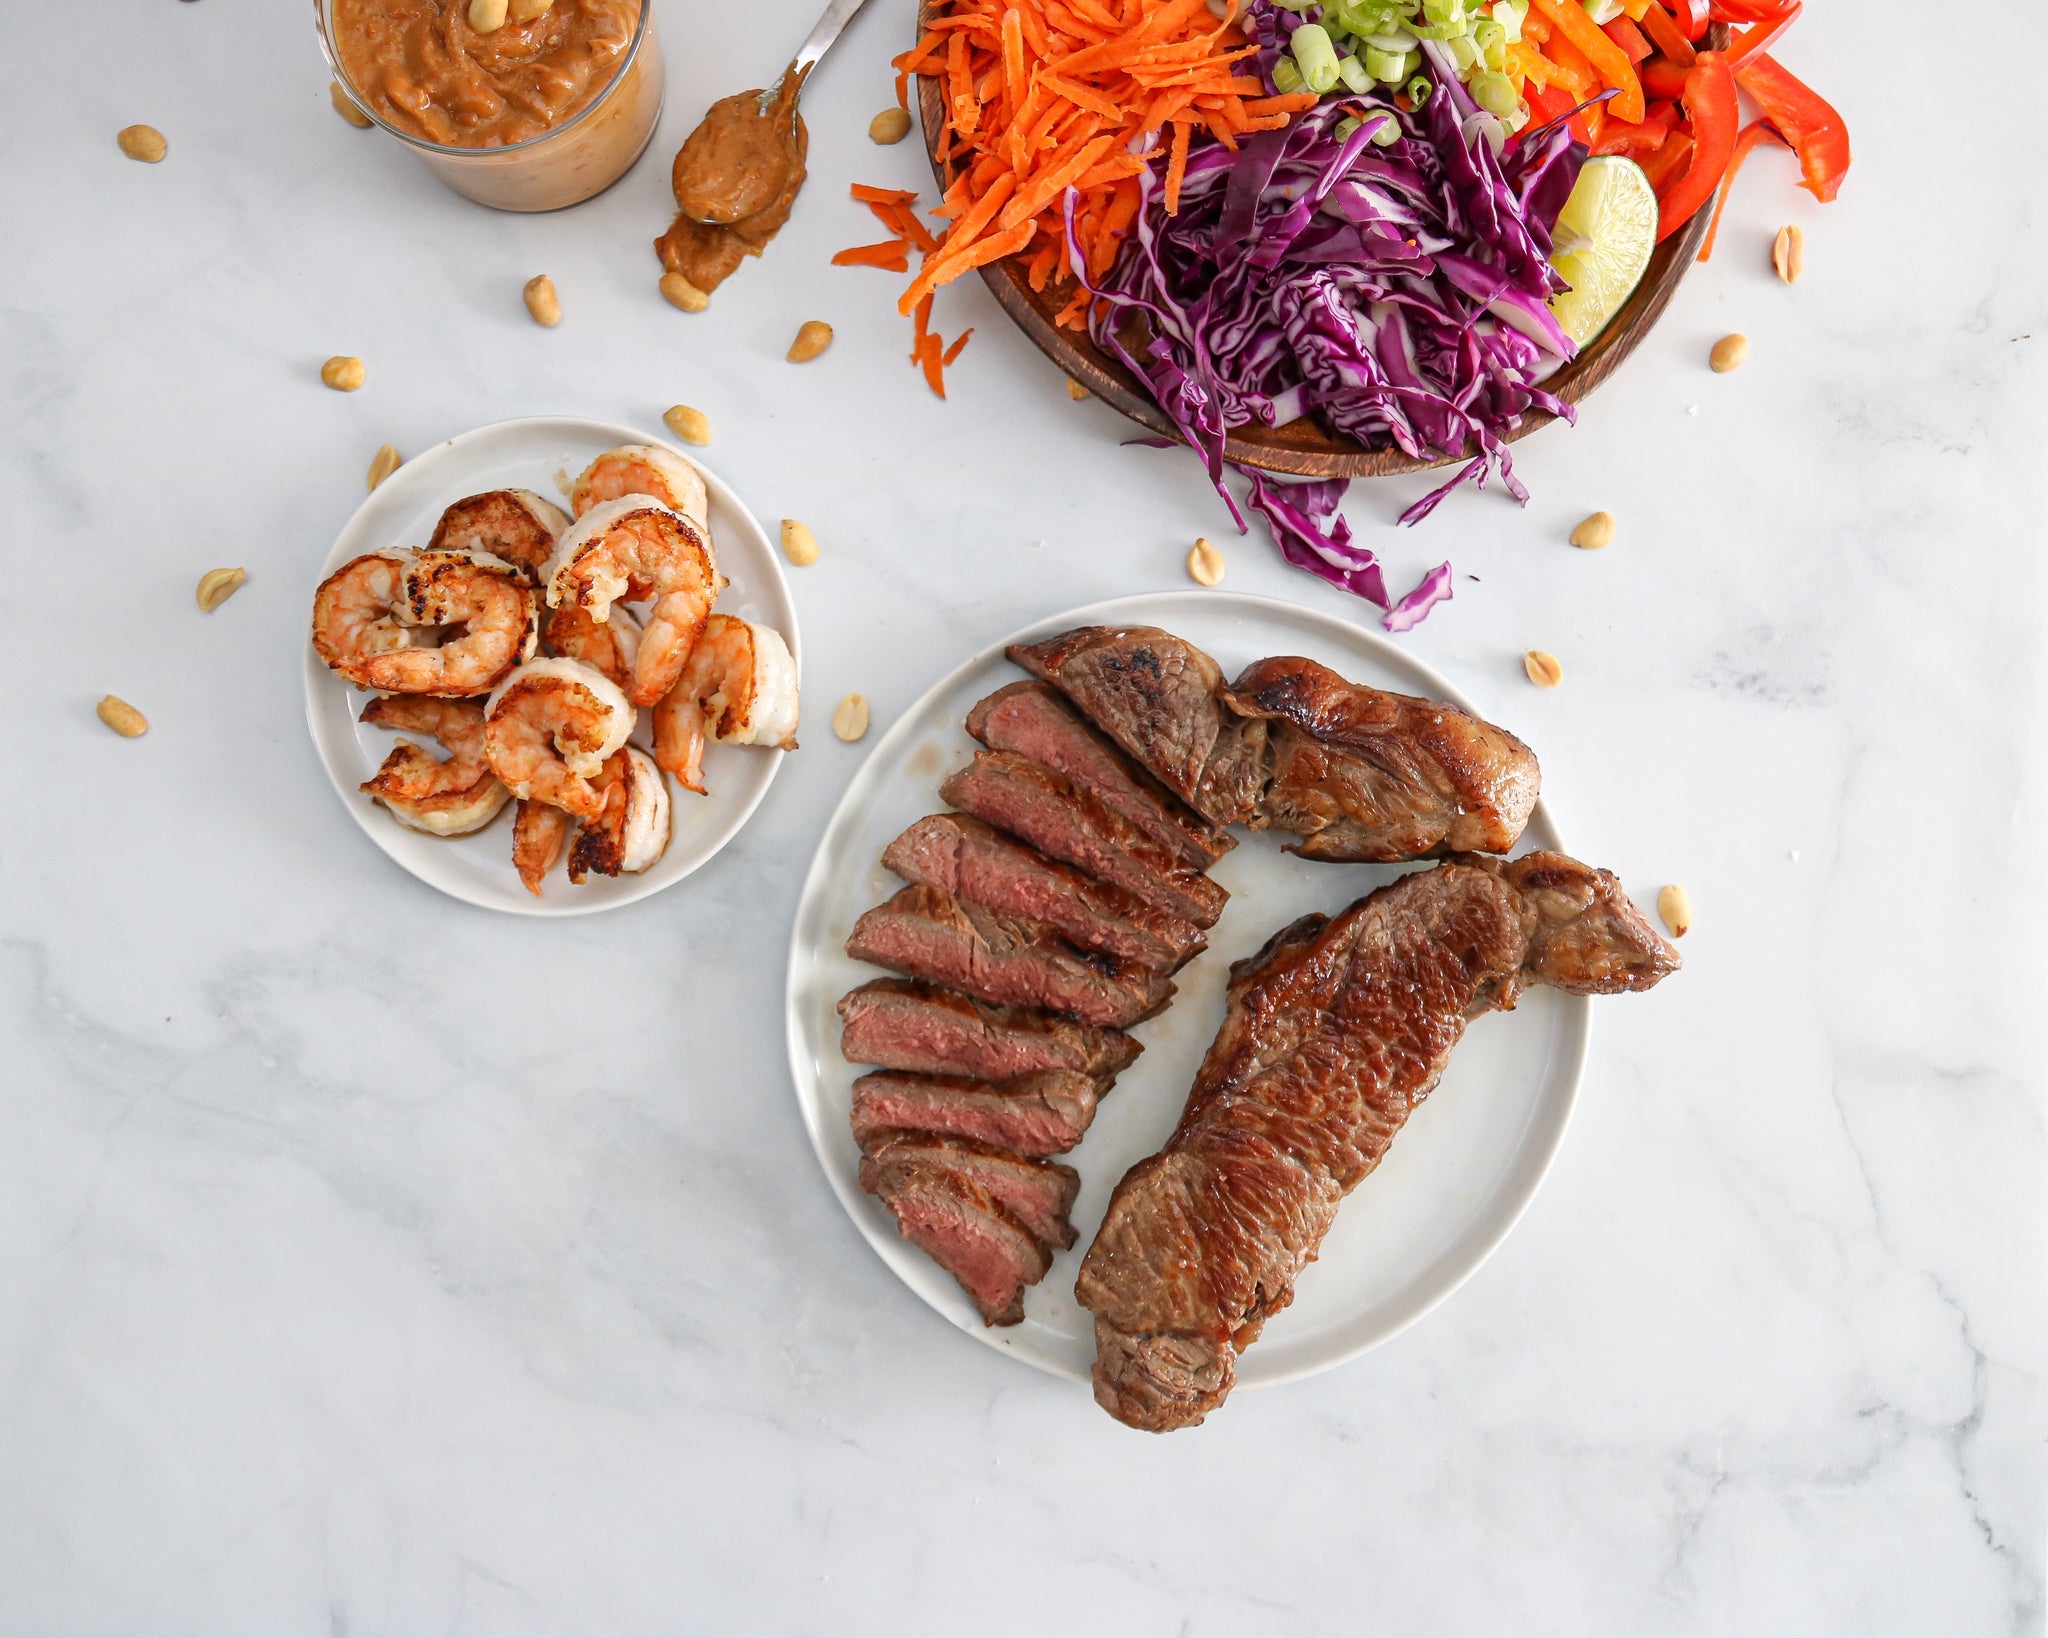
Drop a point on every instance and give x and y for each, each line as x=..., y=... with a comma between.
x=354, y=1279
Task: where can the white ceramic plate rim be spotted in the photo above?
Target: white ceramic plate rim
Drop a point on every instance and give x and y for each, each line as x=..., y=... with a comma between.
x=1448, y=1271
x=438, y=470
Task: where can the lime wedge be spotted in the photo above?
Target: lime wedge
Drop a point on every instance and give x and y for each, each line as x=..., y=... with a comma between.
x=1605, y=234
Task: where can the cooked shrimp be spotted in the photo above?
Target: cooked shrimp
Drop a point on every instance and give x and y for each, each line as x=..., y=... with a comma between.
x=514, y=524
x=489, y=608
x=629, y=551
x=538, y=832
x=549, y=729
x=642, y=469
x=631, y=831
x=609, y=645
x=361, y=613
x=739, y=687
x=443, y=798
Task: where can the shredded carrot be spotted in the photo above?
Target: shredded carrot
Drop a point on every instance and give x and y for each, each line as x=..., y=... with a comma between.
x=1054, y=110
x=960, y=342
x=891, y=255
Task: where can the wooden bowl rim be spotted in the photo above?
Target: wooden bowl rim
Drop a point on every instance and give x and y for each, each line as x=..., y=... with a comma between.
x=1301, y=448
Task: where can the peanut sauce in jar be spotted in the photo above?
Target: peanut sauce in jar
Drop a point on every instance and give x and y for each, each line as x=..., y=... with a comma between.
x=423, y=70
x=735, y=180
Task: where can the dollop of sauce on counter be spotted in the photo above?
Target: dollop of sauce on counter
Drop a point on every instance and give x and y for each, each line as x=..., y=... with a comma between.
x=736, y=178
x=424, y=70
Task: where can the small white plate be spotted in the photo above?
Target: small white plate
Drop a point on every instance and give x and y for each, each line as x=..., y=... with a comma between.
x=1457, y=1177
x=543, y=454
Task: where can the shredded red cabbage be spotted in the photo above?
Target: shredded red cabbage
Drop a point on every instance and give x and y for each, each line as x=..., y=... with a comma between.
x=1399, y=295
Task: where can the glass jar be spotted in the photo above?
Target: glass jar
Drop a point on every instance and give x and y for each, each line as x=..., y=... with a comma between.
x=574, y=161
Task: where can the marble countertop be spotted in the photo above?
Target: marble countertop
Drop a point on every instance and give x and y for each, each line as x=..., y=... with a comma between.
x=373, y=1264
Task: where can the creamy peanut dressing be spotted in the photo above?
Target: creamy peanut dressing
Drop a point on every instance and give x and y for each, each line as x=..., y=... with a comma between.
x=423, y=70
x=735, y=180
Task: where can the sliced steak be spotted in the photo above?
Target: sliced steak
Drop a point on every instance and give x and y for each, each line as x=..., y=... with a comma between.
x=924, y=932
x=1056, y=816
x=1032, y=719
x=976, y=862
x=1332, y=1035
x=1361, y=774
x=1043, y=1114
x=1038, y=1193
x=960, y=1227
x=1157, y=696
x=897, y=1024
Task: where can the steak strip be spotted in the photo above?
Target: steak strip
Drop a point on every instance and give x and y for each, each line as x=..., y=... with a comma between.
x=924, y=932
x=974, y=861
x=1042, y=1114
x=1031, y=719
x=962, y=1228
x=1057, y=817
x=1333, y=1034
x=1037, y=1193
x=1156, y=695
x=896, y=1024
x=1361, y=774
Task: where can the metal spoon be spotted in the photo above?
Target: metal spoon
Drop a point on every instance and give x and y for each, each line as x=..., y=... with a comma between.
x=790, y=84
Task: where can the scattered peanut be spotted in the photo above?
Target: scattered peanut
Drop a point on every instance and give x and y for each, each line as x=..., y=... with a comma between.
x=386, y=461
x=122, y=717
x=346, y=109
x=1205, y=562
x=216, y=586
x=542, y=302
x=342, y=373
x=1543, y=669
x=693, y=426
x=143, y=142
x=1075, y=390
x=799, y=545
x=1728, y=353
x=812, y=338
x=889, y=126
x=486, y=16
x=525, y=11
x=1597, y=531
x=1674, y=904
x=850, y=720
x=1788, y=252
x=680, y=292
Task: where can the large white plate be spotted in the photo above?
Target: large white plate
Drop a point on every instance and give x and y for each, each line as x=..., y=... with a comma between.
x=1454, y=1182
x=543, y=454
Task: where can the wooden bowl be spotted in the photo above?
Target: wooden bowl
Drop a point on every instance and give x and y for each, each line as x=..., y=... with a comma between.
x=1302, y=447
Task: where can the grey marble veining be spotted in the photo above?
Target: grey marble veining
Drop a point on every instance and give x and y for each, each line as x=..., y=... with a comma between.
x=372, y=1264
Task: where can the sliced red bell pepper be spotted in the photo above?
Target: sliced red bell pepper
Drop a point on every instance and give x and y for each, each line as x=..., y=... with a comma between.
x=1662, y=79
x=1547, y=103
x=1661, y=165
x=1569, y=19
x=1803, y=118
x=1745, y=143
x=1749, y=11
x=1692, y=16
x=1712, y=106
x=1630, y=38
x=1620, y=137
x=1667, y=36
x=1758, y=37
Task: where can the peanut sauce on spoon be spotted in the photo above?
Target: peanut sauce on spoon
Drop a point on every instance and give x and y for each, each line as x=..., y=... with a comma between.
x=735, y=179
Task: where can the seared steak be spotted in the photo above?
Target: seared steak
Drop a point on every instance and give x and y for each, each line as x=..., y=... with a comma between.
x=1056, y=816
x=1360, y=774
x=1034, y=721
x=1156, y=696
x=1333, y=1034
x=924, y=932
x=960, y=1227
x=976, y=862
x=932, y=1031
x=1038, y=1193
x=1043, y=1114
